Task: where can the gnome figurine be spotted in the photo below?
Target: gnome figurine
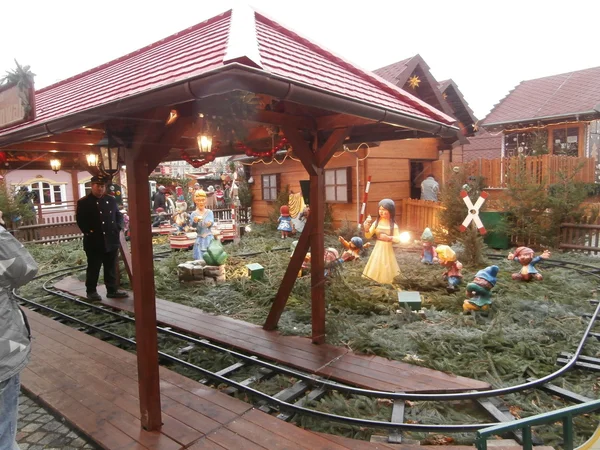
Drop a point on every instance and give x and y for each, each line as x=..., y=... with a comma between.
x=428, y=255
x=524, y=255
x=453, y=267
x=479, y=291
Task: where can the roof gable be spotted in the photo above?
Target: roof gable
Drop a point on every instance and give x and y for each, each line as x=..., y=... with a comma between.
x=401, y=74
x=458, y=104
x=556, y=96
x=246, y=38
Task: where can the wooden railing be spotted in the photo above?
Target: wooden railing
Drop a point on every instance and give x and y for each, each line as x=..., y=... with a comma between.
x=545, y=169
x=564, y=415
x=419, y=214
x=581, y=237
x=53, y=229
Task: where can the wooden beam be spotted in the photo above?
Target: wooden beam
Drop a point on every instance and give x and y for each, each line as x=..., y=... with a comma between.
x=38, y=146
x=280, y=119
x=317, y=255
x=169, y=137
x=301, y=149
x=333, y=121
x=332, y=145
x=290, y=276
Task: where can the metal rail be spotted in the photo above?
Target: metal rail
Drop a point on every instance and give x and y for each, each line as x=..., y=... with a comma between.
x=311, y=380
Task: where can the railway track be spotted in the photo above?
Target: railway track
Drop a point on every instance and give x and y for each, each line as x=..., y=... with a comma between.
x=244, y=373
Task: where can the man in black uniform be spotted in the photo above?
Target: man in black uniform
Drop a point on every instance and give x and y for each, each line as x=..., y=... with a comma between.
x=100, y=220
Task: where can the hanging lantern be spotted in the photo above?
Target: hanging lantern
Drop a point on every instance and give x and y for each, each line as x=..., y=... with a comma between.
x=92, y=160
x=109, y=150
x=55, y=165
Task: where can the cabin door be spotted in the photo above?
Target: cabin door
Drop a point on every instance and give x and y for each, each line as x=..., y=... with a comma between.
x=418, y=171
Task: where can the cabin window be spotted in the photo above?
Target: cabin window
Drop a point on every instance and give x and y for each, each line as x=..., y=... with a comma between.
x=48, y=194
x=270, y=187
x=565, y=141
x=338, y=185
x=528, y=143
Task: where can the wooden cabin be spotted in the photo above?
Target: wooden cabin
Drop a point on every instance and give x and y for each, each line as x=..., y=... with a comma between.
x=396, y=167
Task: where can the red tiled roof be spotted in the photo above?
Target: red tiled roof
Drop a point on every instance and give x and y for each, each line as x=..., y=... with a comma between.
x=483, y=145
x=558, y=95
x=208, y=46
x=178, y=57
x=393, y=72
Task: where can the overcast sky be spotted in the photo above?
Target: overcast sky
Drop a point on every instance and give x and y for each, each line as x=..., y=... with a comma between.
x=487, y=47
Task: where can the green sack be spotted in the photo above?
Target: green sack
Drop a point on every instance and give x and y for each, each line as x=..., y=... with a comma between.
x=215, y=254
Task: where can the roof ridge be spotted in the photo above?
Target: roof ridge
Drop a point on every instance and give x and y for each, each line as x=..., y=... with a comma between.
x=138, y=51
x=359, y=71
x=242, y=41
x=570, y=73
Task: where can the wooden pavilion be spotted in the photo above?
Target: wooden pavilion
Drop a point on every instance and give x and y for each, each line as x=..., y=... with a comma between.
x=253, y=82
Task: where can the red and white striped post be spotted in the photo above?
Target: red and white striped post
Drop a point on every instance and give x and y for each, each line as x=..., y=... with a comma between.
x=364, y=203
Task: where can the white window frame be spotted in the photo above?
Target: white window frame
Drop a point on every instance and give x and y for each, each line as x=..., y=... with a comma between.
x=38, y=189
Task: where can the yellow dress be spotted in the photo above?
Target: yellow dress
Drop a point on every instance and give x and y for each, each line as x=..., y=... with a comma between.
x=382, y=265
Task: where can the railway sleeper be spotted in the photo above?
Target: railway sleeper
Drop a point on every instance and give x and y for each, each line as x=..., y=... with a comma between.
x=288, y=395
x=313, y=395
x=562, y=392
x=499, y=411
x=226, y=371
x=395, y=437
x=263, y=374
x=579, y=364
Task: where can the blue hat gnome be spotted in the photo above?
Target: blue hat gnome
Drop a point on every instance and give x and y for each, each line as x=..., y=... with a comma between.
x=479, y=291
x=428, y=255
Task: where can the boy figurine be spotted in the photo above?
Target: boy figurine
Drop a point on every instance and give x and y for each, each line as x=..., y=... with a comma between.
x=428, y=255
x=524, y=255
x=448, y=259
x=353, y=248
x=479, y=291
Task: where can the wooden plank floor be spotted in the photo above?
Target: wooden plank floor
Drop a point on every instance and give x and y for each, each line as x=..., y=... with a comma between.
x=336, y=363
x=93, y=385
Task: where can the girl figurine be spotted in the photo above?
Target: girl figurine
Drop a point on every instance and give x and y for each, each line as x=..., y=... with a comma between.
x=448, y=259
x=524, y=255
x=428, y=255
x=479, y=291
x=382, y=265
x=285, y=221
x=353, y=248
x=201, y=220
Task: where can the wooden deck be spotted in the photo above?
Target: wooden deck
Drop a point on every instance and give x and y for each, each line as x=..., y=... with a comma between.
x=336, y=363
x=93, y=385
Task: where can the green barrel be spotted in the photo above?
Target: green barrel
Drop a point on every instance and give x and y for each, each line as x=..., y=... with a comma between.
x=494, y=238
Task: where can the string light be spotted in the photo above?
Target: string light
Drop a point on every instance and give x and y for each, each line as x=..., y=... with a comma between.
x=196, y=163
x=538, y=127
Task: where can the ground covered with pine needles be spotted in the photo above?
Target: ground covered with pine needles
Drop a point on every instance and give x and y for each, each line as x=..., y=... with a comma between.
x=529, y=325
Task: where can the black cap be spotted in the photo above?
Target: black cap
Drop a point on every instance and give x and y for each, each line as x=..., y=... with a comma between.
x=99, y=179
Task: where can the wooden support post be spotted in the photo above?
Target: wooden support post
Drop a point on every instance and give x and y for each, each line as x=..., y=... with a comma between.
x=317, y=255
x=140, y=161
x=143, y=291
x=74, y=184
x=289, y=278
x=313, y=235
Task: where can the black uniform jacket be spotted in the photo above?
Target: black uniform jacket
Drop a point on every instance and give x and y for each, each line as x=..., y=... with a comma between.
x=100, y=222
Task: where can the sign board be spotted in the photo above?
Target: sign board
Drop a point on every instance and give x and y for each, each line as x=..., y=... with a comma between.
x=16, y=105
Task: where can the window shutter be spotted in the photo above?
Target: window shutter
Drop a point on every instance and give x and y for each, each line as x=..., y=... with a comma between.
x=349, y=184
